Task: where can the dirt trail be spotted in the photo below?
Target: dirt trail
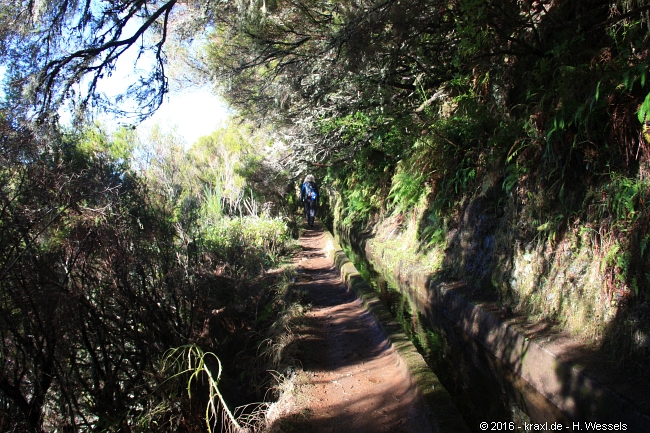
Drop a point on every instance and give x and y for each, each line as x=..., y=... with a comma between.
x=352, y=379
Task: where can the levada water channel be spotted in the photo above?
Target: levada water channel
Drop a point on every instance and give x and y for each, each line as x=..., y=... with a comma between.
x=483, y=387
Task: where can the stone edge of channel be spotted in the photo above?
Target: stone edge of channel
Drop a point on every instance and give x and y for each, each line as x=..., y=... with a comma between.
x=567, y=386
x=442, y=412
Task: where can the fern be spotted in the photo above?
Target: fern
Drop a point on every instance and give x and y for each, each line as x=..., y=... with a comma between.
x=406, y=190
x=610, y=257
x=623, y=196
x=511, y=178
x=644, y=109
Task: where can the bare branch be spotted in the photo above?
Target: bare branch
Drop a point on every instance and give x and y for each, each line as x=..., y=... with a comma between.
x=82, y=60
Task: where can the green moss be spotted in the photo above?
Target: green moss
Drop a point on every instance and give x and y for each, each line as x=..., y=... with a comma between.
x=435, y=396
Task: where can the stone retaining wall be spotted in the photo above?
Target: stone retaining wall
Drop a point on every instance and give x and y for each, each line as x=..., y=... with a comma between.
x=581, y=397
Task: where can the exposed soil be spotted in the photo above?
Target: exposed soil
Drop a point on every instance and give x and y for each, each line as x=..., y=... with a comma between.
x=351, y=380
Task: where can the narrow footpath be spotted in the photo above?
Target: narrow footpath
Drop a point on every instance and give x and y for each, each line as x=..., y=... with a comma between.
x=352, y=379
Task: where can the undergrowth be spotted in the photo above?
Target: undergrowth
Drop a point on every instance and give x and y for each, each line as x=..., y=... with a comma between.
x=245, y=356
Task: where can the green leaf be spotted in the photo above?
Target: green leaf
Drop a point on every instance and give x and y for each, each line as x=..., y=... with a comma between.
x=644, y=109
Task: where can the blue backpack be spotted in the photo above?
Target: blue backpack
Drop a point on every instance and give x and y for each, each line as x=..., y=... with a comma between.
x=310, y=192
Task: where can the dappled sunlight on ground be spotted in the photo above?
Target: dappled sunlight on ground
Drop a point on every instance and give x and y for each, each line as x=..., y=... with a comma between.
x=352, y=379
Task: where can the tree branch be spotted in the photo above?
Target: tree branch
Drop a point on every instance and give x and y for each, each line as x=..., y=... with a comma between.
x=620, y=18
x=115, y=47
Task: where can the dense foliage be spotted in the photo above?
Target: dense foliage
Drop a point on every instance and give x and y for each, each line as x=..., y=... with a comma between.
x=502, y=128
x=522, y=125
x=103, y=269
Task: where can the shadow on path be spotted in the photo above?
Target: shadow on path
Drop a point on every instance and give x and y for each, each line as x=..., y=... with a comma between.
x=352, y=379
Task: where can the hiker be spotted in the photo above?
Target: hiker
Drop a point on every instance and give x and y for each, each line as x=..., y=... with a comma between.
x=309, y=198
